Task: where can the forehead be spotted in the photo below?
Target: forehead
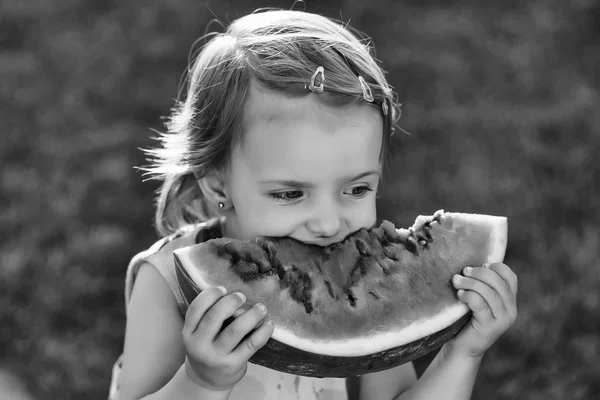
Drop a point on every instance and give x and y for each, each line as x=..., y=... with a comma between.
x=305, y=136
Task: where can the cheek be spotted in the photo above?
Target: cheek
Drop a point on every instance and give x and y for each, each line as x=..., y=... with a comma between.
x=257, y=216
x=363, y=217
x=266, y=221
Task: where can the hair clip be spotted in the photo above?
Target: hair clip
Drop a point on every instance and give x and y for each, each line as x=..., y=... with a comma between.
x=367, y=94
x=313, y=87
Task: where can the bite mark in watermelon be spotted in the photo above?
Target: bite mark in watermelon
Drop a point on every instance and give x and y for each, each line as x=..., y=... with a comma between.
x=380, y=298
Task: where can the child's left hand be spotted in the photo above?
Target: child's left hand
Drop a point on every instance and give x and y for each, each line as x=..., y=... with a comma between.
x=491, y=293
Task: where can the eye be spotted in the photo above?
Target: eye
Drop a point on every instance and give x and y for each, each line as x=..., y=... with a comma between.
x=359, y=191
x=287, y=196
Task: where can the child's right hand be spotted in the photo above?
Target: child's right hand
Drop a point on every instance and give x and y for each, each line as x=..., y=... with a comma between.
x=217, y=360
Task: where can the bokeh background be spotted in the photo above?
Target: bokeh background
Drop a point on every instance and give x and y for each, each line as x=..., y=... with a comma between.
x=500, y=97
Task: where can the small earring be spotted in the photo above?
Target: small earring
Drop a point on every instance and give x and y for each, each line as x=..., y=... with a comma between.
x=221, y=205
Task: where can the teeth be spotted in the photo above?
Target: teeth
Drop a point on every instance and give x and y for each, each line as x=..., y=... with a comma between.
x=422, y=242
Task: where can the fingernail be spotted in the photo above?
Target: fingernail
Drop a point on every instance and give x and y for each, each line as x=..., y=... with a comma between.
x=486, y=265
x=269, y=323
x=457, y=278
x=222, y=289
x=467, y=270
x=460, y=292
x=241, y=296
x=261, y=307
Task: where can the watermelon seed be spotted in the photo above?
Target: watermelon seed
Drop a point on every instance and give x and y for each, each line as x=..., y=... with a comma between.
x=389, y=253
x=329, y=288
x=411, y=245
x=360, y=269
x=272, y=258
x=427, y=231
x=300, y=286
x=224, y=253
x=390, y=232
x=332, y=248
x=381, y=263
x=362, y=248
x=380, y=236
x=254, y=253
x=232, y=250
x=248, y=271
x=350, y=296
x=316, y=264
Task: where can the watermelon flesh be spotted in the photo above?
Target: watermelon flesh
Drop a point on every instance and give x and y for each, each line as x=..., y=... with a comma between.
x=380, y=298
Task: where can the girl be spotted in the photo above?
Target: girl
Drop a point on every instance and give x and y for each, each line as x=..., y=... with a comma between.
x=284, y=131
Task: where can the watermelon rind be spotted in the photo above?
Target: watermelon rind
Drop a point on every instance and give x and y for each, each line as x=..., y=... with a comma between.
x=290, y=352
x=281, y=353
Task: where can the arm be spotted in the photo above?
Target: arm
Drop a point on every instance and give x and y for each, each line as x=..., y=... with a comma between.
x=166, y=357
x=154, y=354
x=450, y=376
x=182, y=387
x=490, y=292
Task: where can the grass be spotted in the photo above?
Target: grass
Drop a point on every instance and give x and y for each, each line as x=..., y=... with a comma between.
x=501, y=99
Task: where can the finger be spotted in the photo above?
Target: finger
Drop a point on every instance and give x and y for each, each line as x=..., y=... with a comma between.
x=212, y=321
x=199, y=306
x=241, y=310
x=481, y=311
x=231, y=336
x=491, y=298
x=508, y=275
x=252, y=343
x=495, y=281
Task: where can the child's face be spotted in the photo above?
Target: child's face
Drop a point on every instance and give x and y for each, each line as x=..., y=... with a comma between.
x=304, y=169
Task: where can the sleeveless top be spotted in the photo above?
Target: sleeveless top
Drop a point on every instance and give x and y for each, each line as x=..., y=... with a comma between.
x=259, y=383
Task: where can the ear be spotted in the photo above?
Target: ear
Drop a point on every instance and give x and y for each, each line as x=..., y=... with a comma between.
x=214, y=188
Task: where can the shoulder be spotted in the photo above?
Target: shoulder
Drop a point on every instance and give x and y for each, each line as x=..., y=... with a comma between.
x=161, y=251
x=160, y=256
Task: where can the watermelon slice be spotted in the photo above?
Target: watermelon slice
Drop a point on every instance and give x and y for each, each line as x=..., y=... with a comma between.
x=380, y=298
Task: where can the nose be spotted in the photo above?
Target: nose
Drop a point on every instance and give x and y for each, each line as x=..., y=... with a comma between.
x=325, y=220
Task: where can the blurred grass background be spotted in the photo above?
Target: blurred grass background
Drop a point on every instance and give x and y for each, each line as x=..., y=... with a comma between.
x=501, y=98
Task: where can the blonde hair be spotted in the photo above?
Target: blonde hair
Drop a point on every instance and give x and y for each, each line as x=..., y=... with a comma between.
x=280, y=50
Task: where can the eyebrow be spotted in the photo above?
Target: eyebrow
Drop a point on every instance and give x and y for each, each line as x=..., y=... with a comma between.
x=299, y=184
